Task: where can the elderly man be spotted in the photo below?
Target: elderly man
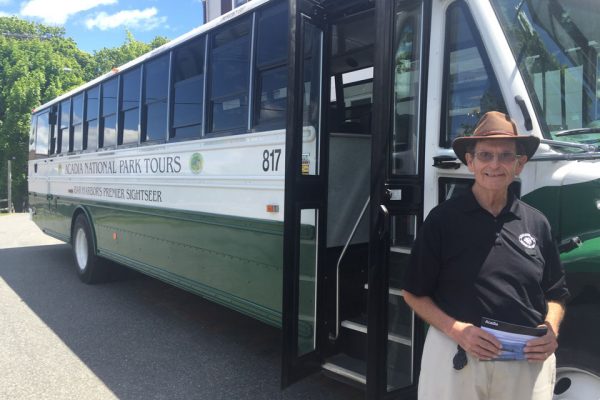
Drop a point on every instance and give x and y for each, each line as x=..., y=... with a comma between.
x=486, y=254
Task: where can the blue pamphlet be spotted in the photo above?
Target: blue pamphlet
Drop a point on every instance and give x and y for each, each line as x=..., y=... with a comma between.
x=513, y=337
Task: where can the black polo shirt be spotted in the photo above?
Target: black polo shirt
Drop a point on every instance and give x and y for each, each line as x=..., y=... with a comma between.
x=475, y=265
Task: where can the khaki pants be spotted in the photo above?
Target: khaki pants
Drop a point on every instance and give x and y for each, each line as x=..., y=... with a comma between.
x=481, y=380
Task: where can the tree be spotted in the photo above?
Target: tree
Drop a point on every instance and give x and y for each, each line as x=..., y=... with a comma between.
x=106, y=59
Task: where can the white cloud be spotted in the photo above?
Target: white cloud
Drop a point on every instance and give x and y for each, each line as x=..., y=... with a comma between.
x=54, y=12
x=5, y=14
x=142, y=19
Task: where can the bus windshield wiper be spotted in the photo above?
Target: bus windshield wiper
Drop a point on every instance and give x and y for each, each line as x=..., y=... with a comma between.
x=584, y=147
x=577, y=131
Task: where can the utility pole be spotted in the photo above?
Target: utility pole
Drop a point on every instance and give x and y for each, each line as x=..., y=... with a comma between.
x=9, y=186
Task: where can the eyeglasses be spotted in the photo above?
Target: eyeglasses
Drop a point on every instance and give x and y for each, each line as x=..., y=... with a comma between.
x=504, y=158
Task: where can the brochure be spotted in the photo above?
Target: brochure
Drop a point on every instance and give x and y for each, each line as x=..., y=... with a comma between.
x=513, y=337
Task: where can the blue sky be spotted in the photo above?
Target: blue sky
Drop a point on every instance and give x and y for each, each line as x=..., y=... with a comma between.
x=95, y=24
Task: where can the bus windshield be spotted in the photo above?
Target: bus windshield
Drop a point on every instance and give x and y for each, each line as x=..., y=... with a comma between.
x=556, y=45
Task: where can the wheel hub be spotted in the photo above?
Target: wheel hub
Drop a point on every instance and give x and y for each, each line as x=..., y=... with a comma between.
x=81, y=249
x=576, y=384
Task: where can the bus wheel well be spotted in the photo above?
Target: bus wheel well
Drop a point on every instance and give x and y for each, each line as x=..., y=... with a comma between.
x=90, y=268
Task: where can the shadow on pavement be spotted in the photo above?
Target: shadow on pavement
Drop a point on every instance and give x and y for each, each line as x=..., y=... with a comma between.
x=148, y=340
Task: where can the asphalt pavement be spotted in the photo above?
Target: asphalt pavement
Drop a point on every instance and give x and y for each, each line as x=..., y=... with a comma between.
x=133, y=338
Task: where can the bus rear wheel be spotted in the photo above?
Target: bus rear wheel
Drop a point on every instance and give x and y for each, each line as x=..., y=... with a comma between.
x=90, y=268
x=575, y=384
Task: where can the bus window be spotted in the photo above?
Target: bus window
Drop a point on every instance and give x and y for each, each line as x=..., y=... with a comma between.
x=63, y=133
x=188, y=90
x=310, y=93
x=313, y=42
x=271, y=69
x=32, y=124
x=354, y=115
x=42, y=133
x=77, y=122
x=230, y=63
x=130, y=107
x=91, y=126
x=351, y=95
x=108, y=135
x=308, y=259
x=53, y=141
x=407, y=45
x=471, y=88
x=156, y=78
x=271, y=106
x=225, y=6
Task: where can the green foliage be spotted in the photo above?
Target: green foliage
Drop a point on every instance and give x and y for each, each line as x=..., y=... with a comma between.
x=38, y=63
x=21, y=29
x=106, y=59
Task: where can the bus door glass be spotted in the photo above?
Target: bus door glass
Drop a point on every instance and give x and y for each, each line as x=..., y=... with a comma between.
x=305, y=207
x=396, y=342
x=403, y=186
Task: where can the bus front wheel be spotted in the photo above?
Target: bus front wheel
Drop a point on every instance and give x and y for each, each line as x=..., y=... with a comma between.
x=90, y=268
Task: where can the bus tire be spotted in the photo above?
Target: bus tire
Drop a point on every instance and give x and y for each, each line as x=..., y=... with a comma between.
x=90, y=268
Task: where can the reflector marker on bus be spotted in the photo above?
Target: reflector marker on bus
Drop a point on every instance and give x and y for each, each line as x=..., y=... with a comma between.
x=272, y=208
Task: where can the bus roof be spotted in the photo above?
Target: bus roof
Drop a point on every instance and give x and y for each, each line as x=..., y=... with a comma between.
x=243, y=9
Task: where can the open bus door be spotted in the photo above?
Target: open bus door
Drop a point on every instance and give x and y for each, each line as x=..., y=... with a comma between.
x=305, y=194
x=395, y=335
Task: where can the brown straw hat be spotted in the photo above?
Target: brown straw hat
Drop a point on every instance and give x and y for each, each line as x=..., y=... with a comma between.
x=495, y=125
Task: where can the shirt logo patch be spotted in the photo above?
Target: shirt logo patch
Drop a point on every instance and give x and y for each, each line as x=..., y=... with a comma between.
x=527, y=240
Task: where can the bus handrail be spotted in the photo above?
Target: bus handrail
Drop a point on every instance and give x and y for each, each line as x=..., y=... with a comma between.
x=337, y=269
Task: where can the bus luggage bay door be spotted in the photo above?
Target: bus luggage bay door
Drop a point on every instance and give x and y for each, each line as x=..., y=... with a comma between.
x=394, y=340
x=305, y=195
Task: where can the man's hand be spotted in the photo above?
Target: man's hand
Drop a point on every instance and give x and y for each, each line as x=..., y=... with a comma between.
x=472, y=339
x=476, y=341
x=539, y=349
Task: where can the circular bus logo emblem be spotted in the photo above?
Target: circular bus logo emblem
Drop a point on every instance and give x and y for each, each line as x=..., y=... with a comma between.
x=196, y=163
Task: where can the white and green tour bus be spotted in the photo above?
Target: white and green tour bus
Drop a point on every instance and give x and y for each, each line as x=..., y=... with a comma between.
x=279, y=160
